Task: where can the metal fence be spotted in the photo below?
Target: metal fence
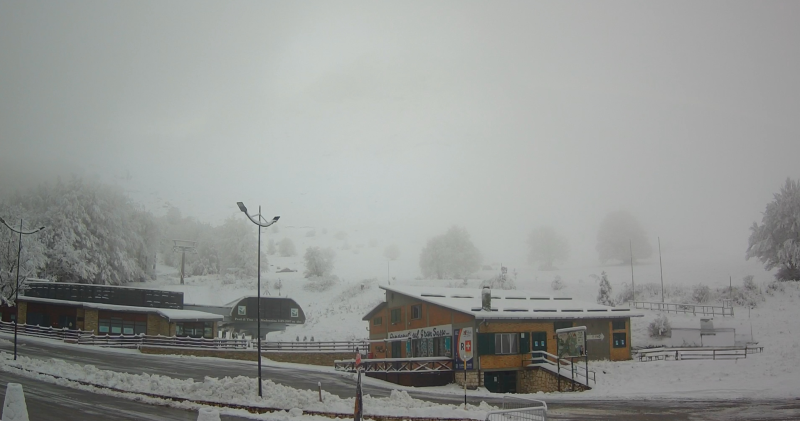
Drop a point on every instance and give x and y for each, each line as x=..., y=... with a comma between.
x=706, y=310
x=519, y=409
x=340, y=346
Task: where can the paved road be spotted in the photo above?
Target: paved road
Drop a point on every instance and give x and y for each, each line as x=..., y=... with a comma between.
x=343, y=385
x=50, y=402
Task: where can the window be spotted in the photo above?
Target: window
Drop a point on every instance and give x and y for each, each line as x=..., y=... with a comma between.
x=416, y=312
x=506, y=343
x=618, y=324
x=396, y=346
x=430, y=347
x=103, y=326
x=619, y=340
x=377, y=321
x=561, y=325
x=395, y=315
x=194, y=329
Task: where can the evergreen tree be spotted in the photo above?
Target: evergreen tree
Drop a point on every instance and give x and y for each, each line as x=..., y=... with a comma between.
x=604, y=294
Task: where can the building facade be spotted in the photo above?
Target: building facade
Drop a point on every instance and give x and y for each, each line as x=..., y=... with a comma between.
x=420, y=322
x=111, y=310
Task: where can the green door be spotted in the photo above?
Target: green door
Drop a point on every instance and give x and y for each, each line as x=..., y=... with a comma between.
x=500, y=381
x=539, y=341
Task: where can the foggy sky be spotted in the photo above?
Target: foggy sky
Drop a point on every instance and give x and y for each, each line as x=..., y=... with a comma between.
x=401, y=119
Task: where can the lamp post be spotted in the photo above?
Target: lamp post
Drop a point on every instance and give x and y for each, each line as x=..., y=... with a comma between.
x=16, y=290
x=258, y=300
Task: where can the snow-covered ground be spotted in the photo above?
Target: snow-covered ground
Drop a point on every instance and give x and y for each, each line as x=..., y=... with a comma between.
x=335, y=313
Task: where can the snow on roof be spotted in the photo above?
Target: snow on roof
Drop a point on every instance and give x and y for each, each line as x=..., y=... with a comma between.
x=512, y=304
x=173, y=315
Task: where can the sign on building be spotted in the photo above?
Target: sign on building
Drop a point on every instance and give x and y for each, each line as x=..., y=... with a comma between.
x=571, y=342
x=465, y=341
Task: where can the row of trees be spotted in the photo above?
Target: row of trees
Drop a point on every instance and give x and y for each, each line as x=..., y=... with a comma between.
x=94, y=234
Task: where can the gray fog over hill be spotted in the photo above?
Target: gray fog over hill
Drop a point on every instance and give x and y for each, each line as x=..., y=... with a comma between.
x=402, y=119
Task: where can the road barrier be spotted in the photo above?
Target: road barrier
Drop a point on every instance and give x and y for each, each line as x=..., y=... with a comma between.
x=519, y=409
x=14, y=407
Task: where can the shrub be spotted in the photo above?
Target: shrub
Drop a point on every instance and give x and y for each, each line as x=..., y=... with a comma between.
x=748, y=283
x=660, y=327
x=557, y=284
x=320, y=283
x=701, y=293
x=776, y=287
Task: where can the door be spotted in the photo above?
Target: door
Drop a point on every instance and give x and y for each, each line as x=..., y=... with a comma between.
x=500, y=381
x=539, y=341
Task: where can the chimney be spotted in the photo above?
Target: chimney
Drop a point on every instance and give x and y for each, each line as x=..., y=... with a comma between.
x=486, y=299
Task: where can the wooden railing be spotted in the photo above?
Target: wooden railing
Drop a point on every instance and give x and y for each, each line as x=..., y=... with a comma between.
x=43, y=332
x=84, y=337
x=136, y=341
x=340, y=346
x=392, y=365
x=698, y=353
x=702, y=309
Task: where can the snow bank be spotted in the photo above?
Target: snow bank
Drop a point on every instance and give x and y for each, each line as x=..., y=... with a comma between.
x=241, y=390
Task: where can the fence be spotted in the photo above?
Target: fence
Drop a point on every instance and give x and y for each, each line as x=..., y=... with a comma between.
x=519, y=409
x=44, y=332
x=341, y=346
x=83, y=337
x=706, y=310
x=393, y=365
x=678, y=354
x=576, y=370
x=136, y=341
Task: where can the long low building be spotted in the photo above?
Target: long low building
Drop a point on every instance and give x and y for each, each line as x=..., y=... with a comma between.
x=416, y=322
x=120, y=310
x=111, y=310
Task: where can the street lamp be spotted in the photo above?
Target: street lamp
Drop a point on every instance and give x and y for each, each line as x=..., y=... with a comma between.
x=258, y=301
x=16, y=291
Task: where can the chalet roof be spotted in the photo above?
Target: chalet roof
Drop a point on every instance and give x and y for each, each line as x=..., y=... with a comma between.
x=374, y=311
x=512, y=304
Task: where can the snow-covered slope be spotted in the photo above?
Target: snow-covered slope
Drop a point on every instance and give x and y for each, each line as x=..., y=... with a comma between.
x=335, y=313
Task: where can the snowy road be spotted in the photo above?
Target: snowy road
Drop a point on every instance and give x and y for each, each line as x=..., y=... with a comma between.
x=342, y=385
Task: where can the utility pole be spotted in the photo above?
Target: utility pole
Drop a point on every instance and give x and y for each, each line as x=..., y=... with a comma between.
x=183, y=246
x=661, y=268
x=633, y=286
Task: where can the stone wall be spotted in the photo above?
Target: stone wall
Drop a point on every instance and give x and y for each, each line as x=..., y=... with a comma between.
x=244, y=354
x=157, y=325
x=321, y=358
x=90, y=320
x=23, y=312
x=474, y=379
x=541, y=380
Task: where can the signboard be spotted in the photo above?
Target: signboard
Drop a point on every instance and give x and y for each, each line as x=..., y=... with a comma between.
x=465, y=341
x=423, y=332
x=598, y=337
x=273, y=310
x=571, y=342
